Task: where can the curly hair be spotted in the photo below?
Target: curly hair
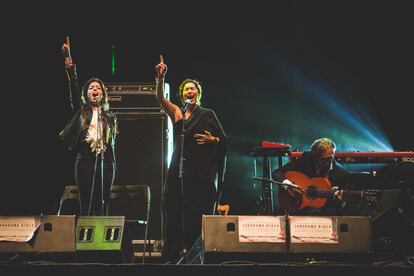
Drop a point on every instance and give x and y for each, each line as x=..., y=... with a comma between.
x=321, y=144
x=181, y=90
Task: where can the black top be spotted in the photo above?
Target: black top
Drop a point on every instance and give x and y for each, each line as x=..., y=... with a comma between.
x=203, y=164
x=203, y=168
x=75, y=131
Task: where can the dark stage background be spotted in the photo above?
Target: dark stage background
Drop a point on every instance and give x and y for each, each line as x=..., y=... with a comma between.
x=257, y=61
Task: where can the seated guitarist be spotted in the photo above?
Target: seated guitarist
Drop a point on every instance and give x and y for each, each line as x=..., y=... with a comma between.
x=315, y=171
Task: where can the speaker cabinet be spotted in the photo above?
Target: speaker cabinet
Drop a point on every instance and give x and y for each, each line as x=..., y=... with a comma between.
x=102, y=239
x=352, y=234
x=142, y=157
x=224, y=238
x=270, y=239
x=135, y=96
x=54, y=234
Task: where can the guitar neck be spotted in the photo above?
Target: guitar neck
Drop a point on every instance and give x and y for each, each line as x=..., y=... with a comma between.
x=330, y=193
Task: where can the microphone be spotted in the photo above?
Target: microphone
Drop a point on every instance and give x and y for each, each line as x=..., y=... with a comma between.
x=98, y=100
x=185, y=106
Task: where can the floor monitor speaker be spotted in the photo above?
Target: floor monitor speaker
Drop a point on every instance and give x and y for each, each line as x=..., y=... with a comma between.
x=102, y=239
x=54, y=235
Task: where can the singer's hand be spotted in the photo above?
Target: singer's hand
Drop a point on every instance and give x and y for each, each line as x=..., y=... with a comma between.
x=161, y=68
x=65, y=49
x=205, y=138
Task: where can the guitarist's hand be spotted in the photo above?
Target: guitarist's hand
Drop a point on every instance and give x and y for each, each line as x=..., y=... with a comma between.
x=338, y=194
x=294, y=192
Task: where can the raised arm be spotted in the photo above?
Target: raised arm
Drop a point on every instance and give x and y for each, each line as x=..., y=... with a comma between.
x=172, y=110
x=70, y=68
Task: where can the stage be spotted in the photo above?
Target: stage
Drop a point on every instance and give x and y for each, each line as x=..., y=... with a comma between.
x=61, y=244
x=399, y=266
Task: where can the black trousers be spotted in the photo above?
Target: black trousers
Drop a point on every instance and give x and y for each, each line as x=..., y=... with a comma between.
x=93, y=192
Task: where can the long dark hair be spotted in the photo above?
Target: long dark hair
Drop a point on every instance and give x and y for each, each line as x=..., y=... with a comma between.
x=84, y=97
x=111, y=123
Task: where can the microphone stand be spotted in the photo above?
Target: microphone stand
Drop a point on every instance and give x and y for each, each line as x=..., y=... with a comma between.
x=100, y=134
x=99, y=140
x=184, y=252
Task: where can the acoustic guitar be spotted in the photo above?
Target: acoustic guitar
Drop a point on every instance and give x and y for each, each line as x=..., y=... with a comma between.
x=315, y=192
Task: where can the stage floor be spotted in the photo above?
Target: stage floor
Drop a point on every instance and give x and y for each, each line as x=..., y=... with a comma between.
x=375, y=265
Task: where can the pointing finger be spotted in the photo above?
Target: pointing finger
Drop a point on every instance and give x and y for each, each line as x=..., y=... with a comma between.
x=67, y=41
